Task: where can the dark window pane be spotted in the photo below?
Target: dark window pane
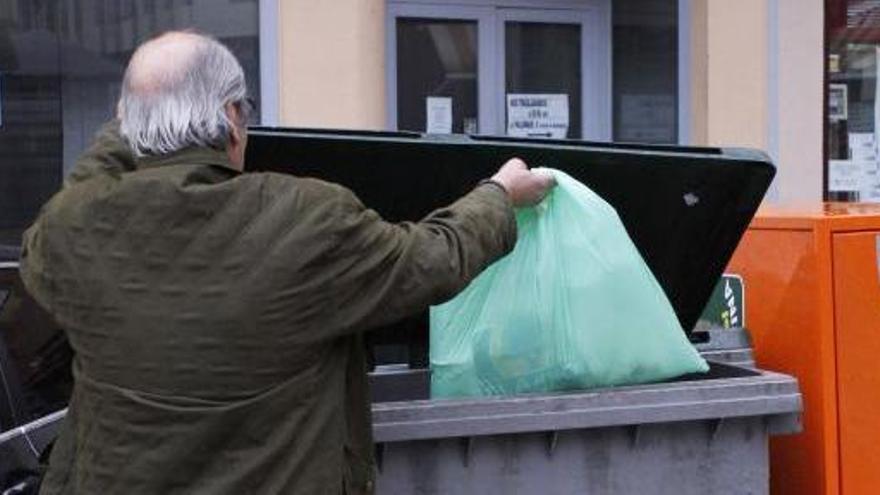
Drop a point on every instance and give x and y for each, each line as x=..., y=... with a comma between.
x=645, y=55
x=31, y=131
x=61, y=63
x=436, y=58
x=543, y=58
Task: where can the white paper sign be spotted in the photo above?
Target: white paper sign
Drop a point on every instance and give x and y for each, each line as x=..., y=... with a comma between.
x=862, y=146
x=438, y=112
x=844, y=175
x=869, y=184
x=862, y=176
x=537, y=115
x=837, y=102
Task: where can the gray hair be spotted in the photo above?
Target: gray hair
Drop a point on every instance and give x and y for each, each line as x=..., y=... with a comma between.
x=174, y=94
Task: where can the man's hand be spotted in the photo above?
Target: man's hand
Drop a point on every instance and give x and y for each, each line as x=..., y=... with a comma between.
x=526, y=188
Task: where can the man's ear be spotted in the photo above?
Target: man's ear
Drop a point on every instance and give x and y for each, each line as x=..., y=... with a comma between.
x=235, y=137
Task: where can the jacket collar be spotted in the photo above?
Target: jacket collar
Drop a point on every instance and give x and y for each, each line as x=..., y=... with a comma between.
x=187, y=156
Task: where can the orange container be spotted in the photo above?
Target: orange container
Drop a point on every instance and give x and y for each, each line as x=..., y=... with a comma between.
x=812, y=285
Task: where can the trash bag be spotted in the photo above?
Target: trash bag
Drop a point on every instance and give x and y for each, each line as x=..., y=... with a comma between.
x=574, y=306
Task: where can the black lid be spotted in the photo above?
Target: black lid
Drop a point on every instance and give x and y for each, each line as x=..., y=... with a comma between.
x=685, y=208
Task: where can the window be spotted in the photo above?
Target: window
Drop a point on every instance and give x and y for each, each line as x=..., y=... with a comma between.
x=853, y=100
x=543, y=65
x=61, y=64
x=496, y=69
x=437, y=58
x=645, y=71
x=537, y=69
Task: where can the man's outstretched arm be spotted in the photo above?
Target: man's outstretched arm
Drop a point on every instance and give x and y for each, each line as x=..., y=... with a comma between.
x=384, y=271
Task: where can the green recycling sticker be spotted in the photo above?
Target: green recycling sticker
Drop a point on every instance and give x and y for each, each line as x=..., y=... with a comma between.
x=727, y=306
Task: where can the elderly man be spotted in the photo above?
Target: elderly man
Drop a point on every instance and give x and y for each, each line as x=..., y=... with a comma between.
x=214, y=315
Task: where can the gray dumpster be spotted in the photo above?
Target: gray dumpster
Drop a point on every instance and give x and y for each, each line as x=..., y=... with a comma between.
x=707, y=436
x=696, y=435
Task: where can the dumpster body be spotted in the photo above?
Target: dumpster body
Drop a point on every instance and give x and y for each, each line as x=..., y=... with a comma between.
x=707, y=436
x=813, y=278
x=684, y=208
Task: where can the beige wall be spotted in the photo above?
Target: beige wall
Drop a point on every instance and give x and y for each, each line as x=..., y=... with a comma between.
x=699, y=97
x=736, y=79
x=798, y=95
x=332, y=63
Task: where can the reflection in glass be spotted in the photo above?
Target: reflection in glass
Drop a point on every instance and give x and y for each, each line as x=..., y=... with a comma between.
x=61, y=62
x=645, y=55
x=436, y=58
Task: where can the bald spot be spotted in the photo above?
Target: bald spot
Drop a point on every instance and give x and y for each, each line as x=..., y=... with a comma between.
x=162, y=62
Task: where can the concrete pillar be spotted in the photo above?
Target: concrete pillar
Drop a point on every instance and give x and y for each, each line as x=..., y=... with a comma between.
x=796, y=98
x=331, y=62
x=736, y=73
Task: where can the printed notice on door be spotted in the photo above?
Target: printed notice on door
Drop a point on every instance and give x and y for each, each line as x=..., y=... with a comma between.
x=438, y=112
x=537, y=115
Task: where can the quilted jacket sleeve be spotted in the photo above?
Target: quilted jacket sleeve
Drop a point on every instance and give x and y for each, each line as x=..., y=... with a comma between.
x=386, y=271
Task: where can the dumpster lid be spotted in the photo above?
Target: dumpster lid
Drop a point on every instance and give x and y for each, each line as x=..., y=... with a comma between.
x=685, y=208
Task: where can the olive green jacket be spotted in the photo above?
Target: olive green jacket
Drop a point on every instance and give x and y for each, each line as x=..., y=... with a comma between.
x=215, y=318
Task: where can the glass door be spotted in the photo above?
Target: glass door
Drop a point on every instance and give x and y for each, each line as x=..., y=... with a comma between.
x=552, y=74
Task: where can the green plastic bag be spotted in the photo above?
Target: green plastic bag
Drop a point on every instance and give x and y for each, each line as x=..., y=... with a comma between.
x=573, y=306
